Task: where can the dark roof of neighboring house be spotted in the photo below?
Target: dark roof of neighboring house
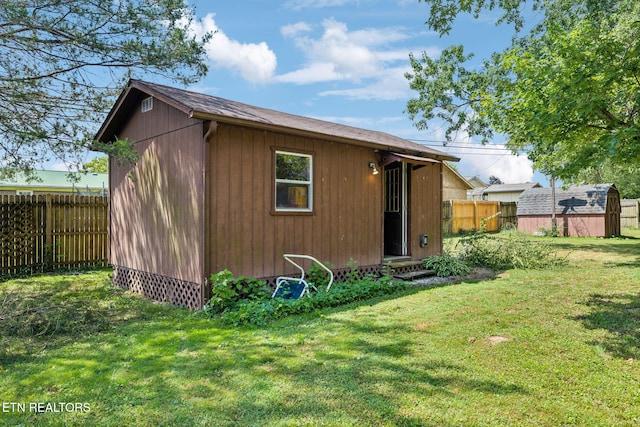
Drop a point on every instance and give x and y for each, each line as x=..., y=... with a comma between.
x=207, y=107
x=510, y=188
x=583, y=199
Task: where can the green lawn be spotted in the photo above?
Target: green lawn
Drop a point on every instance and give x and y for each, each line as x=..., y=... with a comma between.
x=528, y=348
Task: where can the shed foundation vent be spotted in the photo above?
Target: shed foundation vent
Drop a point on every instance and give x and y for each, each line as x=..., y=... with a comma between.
x=159, y=288
x=340, y=275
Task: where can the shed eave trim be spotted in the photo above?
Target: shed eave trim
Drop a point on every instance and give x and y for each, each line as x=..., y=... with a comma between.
x=203, y=115
x=390, y=157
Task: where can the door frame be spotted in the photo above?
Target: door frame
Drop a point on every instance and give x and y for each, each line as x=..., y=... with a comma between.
x=401, y=237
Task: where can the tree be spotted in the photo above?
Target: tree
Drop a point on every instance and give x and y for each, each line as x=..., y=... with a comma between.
x=62, y=62
x=567, y=92
x=494, y=180
x=97, y=165
x=626, y=178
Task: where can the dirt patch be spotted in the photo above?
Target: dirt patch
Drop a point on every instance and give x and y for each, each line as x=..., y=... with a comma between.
x=423, y=326
x=497, y=339
x=476, y=275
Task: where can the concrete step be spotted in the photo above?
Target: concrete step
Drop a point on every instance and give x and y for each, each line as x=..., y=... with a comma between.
x=403, y=263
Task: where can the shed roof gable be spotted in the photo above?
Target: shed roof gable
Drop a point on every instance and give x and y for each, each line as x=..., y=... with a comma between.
x=578, y=200
x=207, y=107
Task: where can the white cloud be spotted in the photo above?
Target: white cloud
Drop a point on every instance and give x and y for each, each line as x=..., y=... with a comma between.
x=390, y=86
x=512, y=169
x=314, y=73
x=255, y=62
x=62, y=167
x=493, y=160
x=293, y=30
x=483, y=160
x=348, y=55
x=316, y=4
x=362, y=122
x=364, y=56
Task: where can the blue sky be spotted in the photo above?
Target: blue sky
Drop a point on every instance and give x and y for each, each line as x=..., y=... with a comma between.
x=344, y=61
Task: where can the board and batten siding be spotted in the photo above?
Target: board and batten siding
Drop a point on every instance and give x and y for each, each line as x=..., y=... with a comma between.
x=249, y=238
x=425, y=216
x=156, y=216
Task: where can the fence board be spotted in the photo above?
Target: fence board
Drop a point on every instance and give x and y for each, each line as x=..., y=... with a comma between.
x=630, y=213
x=47, y=232
x=447, y=217
x=472, y=215
x=508, y=214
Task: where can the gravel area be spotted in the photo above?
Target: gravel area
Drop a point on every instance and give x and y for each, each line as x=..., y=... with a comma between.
x=476, y=274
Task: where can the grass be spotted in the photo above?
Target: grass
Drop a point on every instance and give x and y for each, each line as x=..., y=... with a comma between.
x=528, y=348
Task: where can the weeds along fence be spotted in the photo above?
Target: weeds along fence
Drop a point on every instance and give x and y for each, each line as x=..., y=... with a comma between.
x=472, y=215
x=50, y=232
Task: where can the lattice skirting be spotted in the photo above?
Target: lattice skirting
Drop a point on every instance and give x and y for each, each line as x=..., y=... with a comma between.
x=339, y=275
x=189, y=294
x=159, y=288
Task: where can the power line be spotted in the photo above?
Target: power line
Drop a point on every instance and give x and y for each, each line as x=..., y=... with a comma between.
x=463, y=148
x=461, y=145
x=478, y=154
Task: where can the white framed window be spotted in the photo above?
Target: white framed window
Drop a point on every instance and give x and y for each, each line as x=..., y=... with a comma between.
x=294, y=182
x=392, y=190
x=147, y=104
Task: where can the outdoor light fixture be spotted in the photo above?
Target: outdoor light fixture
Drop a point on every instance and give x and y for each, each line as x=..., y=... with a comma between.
x=374, y=171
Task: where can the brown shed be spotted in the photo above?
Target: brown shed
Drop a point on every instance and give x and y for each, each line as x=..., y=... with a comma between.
x=225, y=185
x=581, y=211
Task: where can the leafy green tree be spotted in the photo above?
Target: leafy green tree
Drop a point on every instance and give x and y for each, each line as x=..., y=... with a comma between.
x=626, y=178
x=567, y=92
x=62, y=62
x=494, y=180
x=97, y=165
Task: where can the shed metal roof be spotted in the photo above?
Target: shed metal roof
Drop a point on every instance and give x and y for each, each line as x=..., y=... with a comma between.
x=207, y=107
x=56, y=179
x=578, y=200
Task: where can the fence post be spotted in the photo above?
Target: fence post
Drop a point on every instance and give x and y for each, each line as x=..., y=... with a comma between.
x=48, y=252
x=476, y=220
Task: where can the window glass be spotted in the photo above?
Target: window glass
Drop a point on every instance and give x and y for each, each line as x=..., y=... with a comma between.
x=293, y=181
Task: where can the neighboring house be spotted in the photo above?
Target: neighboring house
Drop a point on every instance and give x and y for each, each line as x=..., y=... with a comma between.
x=454, y=186
x=582, y=211
x=506, y=192
x=55, y=182
x=476, y=182
x=478, y=187
x=224, y=185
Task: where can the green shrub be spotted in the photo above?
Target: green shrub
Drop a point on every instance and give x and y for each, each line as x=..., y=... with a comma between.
x=507, y=250
x=549, y=231
x=261, y=312
x=227, y=291
x=446, y=265
x=353, y=275
x=318, y=276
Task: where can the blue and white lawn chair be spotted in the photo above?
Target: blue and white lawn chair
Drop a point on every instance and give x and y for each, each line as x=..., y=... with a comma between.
x=297, y=287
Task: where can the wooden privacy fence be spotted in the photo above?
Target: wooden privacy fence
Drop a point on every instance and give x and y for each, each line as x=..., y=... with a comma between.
x=47, y=232
x=630, y=213
x=474, y=215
